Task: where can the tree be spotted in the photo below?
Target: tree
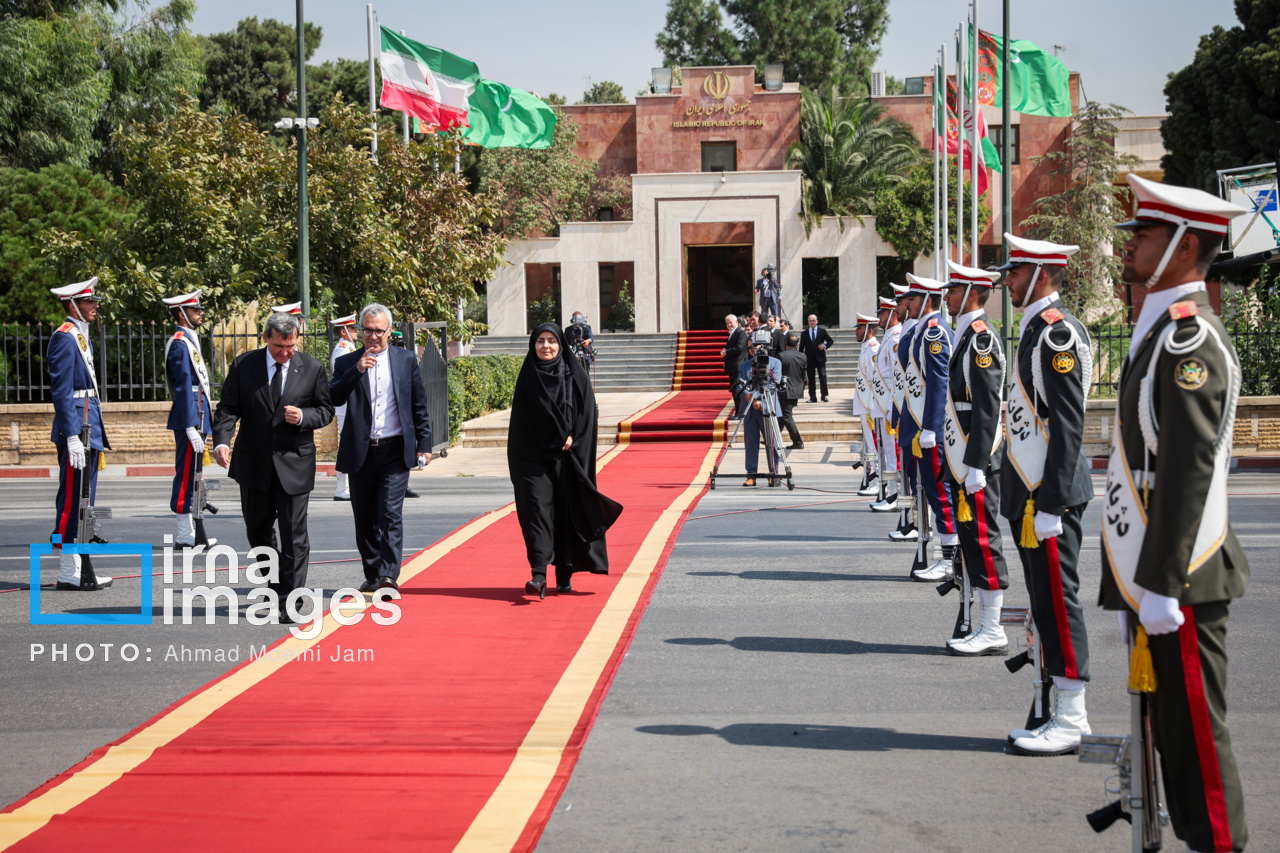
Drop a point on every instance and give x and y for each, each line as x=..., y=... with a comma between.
x=904, y=211
x=348, y=76
x=695, y=35
x=820, y=42
x=252, y=70
x=63, y=197
x=604, y=92
x=544, y=189
x=1224, y=108
x=1086, y=211
x=847, y=150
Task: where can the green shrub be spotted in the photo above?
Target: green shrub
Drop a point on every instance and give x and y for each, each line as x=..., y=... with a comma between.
x=623, y=316
x=480, y=384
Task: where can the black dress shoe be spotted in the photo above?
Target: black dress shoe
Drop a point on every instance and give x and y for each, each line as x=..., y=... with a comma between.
x=385, y=582
x=285, y=619
x=773, y=483
x=410, y=493
x=369, y=586
x=536, y=586
x=813, y=399
x=564, y=587
x=824, y=399
x=799, y=445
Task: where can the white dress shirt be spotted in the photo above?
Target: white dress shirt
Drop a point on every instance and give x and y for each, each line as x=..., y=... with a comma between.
x=1034, y=309
x=271, y=367
x=382, y=397
x=1154, y=305
x=964, y=321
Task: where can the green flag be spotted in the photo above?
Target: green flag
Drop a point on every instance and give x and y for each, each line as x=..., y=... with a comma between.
x=503, y=117
x=1039, y=82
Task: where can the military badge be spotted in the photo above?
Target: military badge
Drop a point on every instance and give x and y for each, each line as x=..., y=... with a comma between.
x=1051, y=315
x=1190, y=374
x=983, y=360
x=1063, y=362
x=84, y=345
x=978, y=327
x=1182, y=310
x=936, y=347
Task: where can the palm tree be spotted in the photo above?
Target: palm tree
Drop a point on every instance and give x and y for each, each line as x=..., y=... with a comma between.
x=846, y=150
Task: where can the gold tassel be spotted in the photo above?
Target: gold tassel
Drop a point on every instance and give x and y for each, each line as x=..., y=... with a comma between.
x=1142, y=672
x=102, y=460
x=915, y=447
x=208, y=458
x=1029, y=539
x=891, y=431
x=963, y=513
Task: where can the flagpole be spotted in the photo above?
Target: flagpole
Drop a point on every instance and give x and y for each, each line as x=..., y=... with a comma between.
x=304, y=237
x=940, y=87
x=373, y=105
x=1006, y=191
x=960, y=149
x=975, y=148
x=405, y=117
x=937, y=195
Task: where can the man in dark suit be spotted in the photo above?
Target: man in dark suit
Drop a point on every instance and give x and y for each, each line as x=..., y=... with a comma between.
x=732, y=352
x=387, y=433
x=814, y=343
x=793, y=367
x=280, y=397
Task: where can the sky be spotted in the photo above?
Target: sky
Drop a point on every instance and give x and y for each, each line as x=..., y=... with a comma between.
x=1123, y=49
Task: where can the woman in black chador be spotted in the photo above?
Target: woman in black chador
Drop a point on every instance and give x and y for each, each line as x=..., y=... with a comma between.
x=551, y=452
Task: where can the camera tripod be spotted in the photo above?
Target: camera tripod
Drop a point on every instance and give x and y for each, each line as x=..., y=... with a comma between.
x=772, y=445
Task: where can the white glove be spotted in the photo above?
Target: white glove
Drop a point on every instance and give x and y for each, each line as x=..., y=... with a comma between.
x=1048, y=526
x=928, y=439
x=75, y=452
x=1160, y=614
x=197, y=443
x=975, y=481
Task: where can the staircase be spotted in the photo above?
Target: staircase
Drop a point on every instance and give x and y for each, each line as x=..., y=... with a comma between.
x=699, y=365
x=625, y=361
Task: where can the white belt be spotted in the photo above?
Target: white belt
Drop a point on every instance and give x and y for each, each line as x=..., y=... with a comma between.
x=196, y=389
x=1141, y=478
x=962, y=407
x=82, y=393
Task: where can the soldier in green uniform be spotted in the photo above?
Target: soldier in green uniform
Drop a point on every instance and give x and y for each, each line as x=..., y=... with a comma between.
x=1170, y=556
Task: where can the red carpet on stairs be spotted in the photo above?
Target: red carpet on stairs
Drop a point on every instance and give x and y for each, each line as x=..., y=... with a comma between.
x=699, y=365
x=458, y=731
x=701, y=416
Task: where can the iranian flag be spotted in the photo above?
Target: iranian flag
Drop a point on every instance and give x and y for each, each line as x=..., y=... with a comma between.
x=954, y=146
x=428, y=83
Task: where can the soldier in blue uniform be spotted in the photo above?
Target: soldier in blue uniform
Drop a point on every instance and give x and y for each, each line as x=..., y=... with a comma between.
x=75, y=385
x=190, y=417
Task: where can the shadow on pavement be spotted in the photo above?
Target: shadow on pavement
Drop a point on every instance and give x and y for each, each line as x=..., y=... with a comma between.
x=847, y=738
x=808, y=645
x=799, y=576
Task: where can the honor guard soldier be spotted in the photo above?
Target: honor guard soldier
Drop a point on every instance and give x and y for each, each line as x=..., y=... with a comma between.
x=347, y=334
x=865, y=408
x=74, y=386
x=928, y=355
x=882, y=387
x=1170, y=555
x=190, y=417
x=907, y=530
x=974, y=438
x=1046, y=486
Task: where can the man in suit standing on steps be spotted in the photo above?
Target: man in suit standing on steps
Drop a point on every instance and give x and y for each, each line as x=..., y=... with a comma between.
x=732, y=352
x=814, y=343
x=793, y=366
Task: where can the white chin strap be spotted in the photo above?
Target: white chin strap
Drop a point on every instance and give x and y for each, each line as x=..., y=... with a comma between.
x=964, y=305
x=1026, y=298
x=75, y=309
x=1168, y=255
x=187, y=317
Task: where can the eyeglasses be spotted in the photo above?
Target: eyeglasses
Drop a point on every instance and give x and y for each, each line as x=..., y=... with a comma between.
x=372, y=332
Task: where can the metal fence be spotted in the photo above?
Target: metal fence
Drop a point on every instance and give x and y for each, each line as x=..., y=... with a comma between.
x=129, y=357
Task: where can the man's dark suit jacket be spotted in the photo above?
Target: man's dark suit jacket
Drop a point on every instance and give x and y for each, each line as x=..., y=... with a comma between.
x=793, y=367
x=734, y=349
x=350, y=386
x=266, y=439
x=810, y=347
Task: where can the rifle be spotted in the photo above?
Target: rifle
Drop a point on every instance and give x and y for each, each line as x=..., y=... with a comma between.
x=89, y=515
x=924, y=543
x=959, y=580
x=1021, y=617
x=201, y=488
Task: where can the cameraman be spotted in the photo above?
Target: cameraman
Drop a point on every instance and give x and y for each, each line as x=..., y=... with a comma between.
x=760, y=375
x=579, y=337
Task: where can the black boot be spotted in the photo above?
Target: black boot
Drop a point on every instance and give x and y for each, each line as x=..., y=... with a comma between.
x=538, y=585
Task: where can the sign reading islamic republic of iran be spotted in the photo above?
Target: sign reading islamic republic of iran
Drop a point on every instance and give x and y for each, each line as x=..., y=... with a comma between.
x=717, y=86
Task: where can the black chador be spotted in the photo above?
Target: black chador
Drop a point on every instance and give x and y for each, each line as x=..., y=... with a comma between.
x=562, y=515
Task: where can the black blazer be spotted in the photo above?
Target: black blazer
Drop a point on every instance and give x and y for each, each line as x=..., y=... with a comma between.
x=793, y=368
x=734, y=349
x=350, y=386
x=981, y=423
x=266, y=441
x=810, y=347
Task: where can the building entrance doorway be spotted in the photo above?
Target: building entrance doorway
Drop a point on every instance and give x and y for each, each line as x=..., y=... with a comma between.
x=718, y=281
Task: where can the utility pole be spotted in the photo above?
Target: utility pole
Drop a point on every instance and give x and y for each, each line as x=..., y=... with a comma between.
x=304, y=251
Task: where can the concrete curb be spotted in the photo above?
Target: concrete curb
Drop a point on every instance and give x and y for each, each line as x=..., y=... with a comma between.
x=36, y=472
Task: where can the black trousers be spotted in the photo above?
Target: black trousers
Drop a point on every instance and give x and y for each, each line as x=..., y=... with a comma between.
x=1053, y=582
x=377, y=502
x=821, y=369
x=262, y=510
x=733, y=379
x=788, y=421
x=539, y=506
x=1189, y=723
x=980, y=539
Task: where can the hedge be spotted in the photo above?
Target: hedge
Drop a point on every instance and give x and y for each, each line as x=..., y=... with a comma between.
x=479, y=384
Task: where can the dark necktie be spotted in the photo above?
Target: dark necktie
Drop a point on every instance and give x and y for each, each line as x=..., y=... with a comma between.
x=277, y=385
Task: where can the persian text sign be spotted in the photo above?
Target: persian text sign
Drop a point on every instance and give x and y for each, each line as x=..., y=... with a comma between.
x=704, y=115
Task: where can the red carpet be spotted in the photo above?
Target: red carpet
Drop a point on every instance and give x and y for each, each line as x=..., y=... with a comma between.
x=699, y=365
x=698, y=417
x=459, y=734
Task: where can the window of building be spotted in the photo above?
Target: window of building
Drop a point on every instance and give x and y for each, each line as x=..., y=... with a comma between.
x=914, y=86
x=604, y=214
x=606, y=291
x=996, y=132
x=989, y=256
x=719, y=156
